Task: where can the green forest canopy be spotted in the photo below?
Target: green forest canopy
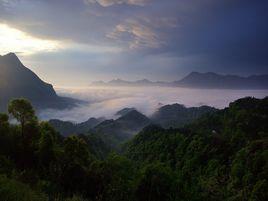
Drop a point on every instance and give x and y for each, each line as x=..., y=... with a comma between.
x=221, y=156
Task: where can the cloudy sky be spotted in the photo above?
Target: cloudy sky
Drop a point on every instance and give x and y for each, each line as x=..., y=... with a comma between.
x=74, y=42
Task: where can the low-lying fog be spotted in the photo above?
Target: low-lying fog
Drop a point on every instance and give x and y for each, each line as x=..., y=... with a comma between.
x=105, y=101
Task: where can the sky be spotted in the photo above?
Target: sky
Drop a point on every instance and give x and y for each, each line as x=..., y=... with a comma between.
x=75, y=42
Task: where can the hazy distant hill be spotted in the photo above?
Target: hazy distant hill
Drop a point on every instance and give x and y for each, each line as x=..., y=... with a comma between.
x=130, y=122
x=208, y=80
x=177, y=115
x=68, y=128
x=112, y=132
x=133, y=120
x=18, y=81
x=120, y=82
x=213, y=80
x=124, y=127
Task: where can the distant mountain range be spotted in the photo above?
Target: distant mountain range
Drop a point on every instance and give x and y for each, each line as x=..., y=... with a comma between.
x=120, y=82
x=17, y=81
x=213, y=80
x=208, y=80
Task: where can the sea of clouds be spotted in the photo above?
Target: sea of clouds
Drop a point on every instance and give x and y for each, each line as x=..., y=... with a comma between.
x=106, y=101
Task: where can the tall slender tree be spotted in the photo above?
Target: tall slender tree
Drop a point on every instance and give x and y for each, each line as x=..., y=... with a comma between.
x=22, y=111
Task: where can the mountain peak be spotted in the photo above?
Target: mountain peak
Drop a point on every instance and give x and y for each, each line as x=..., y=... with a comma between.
x=19, y=81
x=124, y=111
x=118, y=80
x=11, y=55
x=11, y=61
x=194, y=73
x=134, y=115
x=143, y=80
x=211, y=80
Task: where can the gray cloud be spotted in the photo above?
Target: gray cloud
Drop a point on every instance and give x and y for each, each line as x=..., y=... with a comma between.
x=143, y=32
x=224, y=36
x=136, y=35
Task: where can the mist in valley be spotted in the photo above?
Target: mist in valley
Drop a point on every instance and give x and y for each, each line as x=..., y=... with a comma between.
x=106, y=101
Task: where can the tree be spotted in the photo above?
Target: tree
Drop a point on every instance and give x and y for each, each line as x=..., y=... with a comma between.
x=4, y=134
x=259, y=191
x=156, y=184
x=76, y=151
x=3, y=118
x=22, y=110
x=74, y=165
x=3, y=124
x=46, y=148
x=13, y=190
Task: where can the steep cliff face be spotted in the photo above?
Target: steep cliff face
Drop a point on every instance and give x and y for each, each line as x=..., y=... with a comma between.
x=17, y=81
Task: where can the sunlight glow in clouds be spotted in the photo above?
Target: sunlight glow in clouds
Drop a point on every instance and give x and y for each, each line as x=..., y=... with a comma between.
x=14, y=40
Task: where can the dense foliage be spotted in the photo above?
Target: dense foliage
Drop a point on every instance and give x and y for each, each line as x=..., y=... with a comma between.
x=222, y=156
x=177, y=115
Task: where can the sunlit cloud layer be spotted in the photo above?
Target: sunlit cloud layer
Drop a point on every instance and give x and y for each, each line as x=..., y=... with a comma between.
x=13, y=40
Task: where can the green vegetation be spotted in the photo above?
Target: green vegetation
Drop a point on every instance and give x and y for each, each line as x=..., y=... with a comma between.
x=177, y=115
x=221, y=156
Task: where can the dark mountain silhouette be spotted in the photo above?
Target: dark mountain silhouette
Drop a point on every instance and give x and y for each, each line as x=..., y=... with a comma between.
x=17, y=81
x=213, y=80
x=67, y=128
x=177, y=115
x=208, y=80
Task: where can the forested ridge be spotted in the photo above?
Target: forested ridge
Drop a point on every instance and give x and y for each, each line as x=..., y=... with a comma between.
x=221, y=156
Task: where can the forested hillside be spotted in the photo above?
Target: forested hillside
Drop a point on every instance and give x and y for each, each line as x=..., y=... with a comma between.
x=66, y=128
x=221, y=156
x=177, y=115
